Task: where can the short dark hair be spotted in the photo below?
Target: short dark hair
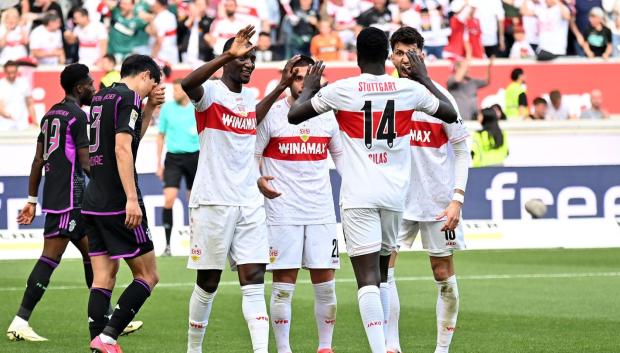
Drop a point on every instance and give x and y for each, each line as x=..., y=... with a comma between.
x=372, y=46
x=50, y=16
x=163, y=2
x=264, y=34
x=516, y=73
x=81, y=10
x=555, y=94
x=136, y=64
x=11, y=63
x=304, y=61
x=110, y=57
x=540, y=100
x=407, y=35
x=73, y=75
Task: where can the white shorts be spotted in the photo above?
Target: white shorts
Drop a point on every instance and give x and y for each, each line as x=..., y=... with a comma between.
x=438, y=243
x=312, y=246
x=368, y=230
x=218, y=232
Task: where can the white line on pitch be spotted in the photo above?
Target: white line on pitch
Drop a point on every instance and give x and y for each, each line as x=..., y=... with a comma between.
x=352, y=280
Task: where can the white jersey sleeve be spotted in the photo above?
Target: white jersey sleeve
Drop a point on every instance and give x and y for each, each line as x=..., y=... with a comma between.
x=207, y=96
x=263, y=135
x=326, y=98
x=422, y=99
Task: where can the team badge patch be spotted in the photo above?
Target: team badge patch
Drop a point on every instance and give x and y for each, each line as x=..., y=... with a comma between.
x=133, y=118
x=304, y=134
x=72, y=225
x=273, y=254
x=196, y=253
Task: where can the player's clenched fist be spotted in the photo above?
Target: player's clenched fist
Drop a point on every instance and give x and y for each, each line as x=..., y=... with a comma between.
x=133, y=214
x=265, y=188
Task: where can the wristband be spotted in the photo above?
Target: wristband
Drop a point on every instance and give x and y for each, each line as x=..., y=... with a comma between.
x=33, y=199
x=458, y=197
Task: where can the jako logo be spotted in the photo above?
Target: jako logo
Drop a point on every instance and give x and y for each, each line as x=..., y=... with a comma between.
x=374, y=323
x=566, y=206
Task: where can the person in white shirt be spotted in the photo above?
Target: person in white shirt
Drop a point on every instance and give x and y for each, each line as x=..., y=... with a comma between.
x=558, y=110
x=553, y=19
x=491, y=16
x=373, y=111
x=92, y=38
x=163, y=32
x=301, y=221
x=17, y=103
x=521, y=49
x=227, y=215
x=226, y=28
x=13, y=37
x=439, y=167
x=46, y=41
x=530, y=22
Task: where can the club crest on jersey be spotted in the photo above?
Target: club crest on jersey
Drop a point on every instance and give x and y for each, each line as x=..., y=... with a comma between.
x=304, y=134
x=72, y=225
x=273, y=254
x=133, y=118
x=195, y=253
x=148, y=234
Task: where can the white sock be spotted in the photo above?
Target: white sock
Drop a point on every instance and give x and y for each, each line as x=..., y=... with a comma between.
x=107, y=339
x=384, y=291
x=447, y=311
x=280, y=309
x=18, y=322
x=255, y=314
x=325, y=311
x=372, y=317
x=200, y=305
x=392, y=339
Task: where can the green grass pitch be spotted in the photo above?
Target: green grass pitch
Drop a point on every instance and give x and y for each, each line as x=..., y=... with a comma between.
x=511, y=301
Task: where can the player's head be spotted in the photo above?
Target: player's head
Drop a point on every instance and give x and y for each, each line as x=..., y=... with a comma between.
x=302, y=66
x=240, y=70
x=142, y=71
x=178, y=93
x=405, y=39
x=76, y=81
x=517, y=75
x=80, y=16
x=372, y=46
x=11, y=69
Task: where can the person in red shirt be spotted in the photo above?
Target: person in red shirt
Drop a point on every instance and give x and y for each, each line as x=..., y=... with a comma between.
x=465, y=41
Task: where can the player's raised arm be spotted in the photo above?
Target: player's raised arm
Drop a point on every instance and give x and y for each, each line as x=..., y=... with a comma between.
x=26, y=215
x=302, y=109
x=192, y=83
x=288, y=76
x=417, y=72
x=156, y=98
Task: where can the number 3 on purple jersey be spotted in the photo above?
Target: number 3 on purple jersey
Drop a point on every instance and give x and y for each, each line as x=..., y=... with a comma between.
x=94, y=129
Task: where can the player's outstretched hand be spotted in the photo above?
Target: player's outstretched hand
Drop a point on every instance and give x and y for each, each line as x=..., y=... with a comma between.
x=452, y=214
x=289, y=72
x=133, y=214
x=416, y=69
x=265, y=188
x=241, y=45
x=157, y=96
x=312, y=80
x=26, y=215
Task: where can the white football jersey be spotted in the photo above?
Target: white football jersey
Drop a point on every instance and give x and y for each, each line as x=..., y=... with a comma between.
x=374, y=116
x=296, y=155
x=89, y=38
x=432, y=163
x=166, y=26
x=226, y=124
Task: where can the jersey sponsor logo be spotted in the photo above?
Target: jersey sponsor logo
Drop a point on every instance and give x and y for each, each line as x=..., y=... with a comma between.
x=221, y=118
x=353, y=123
x=295, y=148
x=425, y=134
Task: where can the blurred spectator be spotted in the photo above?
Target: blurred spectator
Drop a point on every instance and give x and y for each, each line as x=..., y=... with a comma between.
x=404, y=14
x=13, y=37
x=540, y=109
x=343, y=13
x=490, y=13
x=254, y=12
x=227, y=27
x=163, y=31
x=612, y=8
x=46, y=41
x=465, y=40
x=557, y=109
x=464, y=89
x=553, y=17
x=34, y=11
x=490, y=145
x=521, y=49
x=127, y=30
x=529, y=21
x=92, y=37
x=596, y=110
x=378, y=16
x=303, y=27
x=515, y=105
x=15, y=100
x=108, y=66
x=326, y=45
x=596, y=39
x=194, y=45
x=263, y=48
x=582, y=14
x=435, y=31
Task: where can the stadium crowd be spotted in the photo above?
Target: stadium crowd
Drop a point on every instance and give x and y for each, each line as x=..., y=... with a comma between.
x=102, y=32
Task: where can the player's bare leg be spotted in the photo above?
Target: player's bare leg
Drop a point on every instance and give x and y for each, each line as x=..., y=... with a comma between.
x=170, y=195
x=252, y=281
x=280, y=306
x=200, y=305
x=392, y=338
x=325, y=306
x=53, y=249
x=368, y=277
x=447, y=300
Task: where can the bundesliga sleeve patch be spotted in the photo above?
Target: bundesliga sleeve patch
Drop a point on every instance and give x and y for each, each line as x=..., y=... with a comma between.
x=132, y=119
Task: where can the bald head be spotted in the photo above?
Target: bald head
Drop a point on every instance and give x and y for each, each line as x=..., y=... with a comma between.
x=596, y=99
